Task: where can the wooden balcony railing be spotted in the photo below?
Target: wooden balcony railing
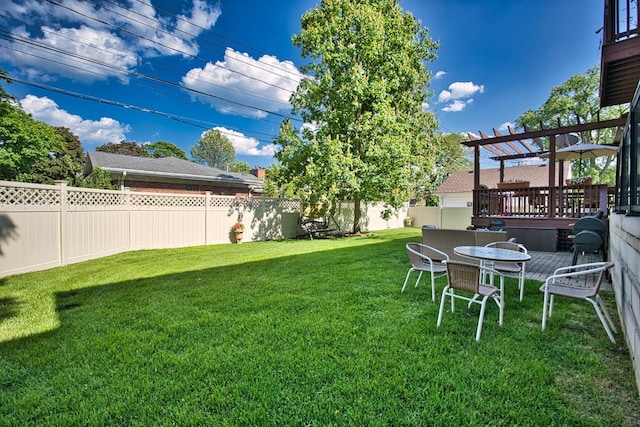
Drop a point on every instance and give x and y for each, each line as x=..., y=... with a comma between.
x=572, y=201
x=621, y=20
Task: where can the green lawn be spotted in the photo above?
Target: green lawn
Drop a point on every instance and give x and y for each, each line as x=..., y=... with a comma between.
x=294, y=333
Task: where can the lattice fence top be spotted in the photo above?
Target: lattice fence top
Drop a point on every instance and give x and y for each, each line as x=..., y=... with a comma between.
x=25, y=196
x=254, y=203
x=81, y=199
x=166, y=200
x=16, y=195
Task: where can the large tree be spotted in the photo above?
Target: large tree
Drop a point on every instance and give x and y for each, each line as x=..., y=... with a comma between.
x=577, y=99
x=214, y=149
x=240, y=167
x=129, y=148
x=451, y=157
x=66, y=164
x=165, y=149
x=363, y=102
x=24, y=141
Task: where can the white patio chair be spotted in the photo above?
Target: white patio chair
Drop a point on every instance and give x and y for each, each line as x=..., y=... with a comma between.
x=511, y=269
x=425, y=258
x=574, y=282
x=465, y=277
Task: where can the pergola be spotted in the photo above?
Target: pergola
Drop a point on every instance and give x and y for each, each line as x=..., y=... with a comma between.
x=536, y=209
x=520, y=148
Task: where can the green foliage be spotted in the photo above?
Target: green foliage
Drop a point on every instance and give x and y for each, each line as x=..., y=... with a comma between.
x=99, y=178
x=276, y=186
x=123, y=147
x=214, y=149
x=240, y=167
x=24, y=141
x=578, y=98
x=66, y=164
x=294, y=333
x=365, y=95
x=431, y=170
x=165, y=149
x=4, y=96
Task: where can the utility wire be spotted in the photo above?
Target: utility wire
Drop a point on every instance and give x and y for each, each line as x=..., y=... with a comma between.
x=181, y=119
x=116, y=53
x=171, y=48
x=295, y=77
x=126, y=71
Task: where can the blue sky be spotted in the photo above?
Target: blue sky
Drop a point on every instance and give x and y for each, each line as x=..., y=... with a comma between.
x=169, y=70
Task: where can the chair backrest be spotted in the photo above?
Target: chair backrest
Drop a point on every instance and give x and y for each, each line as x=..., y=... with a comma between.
x=417, y=251
x=463, y=276
x=513, y=246
x=570, y=276
x=607, y=266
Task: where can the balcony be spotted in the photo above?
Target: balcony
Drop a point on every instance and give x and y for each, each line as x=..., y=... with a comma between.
x=620, y=66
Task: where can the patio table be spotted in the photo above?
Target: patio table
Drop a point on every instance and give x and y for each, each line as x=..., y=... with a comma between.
x=488, y=256
x=484, y=253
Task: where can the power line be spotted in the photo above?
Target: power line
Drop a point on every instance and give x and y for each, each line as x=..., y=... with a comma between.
x=45, y=47
x=171, y=48
x=194, y=36
x=126, y=71
x=181, y=119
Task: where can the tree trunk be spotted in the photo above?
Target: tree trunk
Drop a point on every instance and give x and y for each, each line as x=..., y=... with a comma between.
x=357, y=215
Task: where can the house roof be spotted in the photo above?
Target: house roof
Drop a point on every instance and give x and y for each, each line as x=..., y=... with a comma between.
x=537, y=175
x=168, y=167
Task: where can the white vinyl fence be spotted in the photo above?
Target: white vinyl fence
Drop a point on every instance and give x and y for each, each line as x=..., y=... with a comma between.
x=45, y=226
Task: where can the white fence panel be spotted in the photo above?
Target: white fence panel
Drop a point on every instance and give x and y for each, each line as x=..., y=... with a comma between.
x=93, y=234
x=426, y=215
x=457, y=218
x=30, y=241
x=44, y=226
x=166, y=228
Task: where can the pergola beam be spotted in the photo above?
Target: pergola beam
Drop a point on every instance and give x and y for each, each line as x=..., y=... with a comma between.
x=621, y=121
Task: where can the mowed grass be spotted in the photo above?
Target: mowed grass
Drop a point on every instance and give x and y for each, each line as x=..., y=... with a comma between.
x=294, y=332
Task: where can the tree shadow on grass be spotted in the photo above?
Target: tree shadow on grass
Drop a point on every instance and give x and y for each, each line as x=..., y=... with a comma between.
x=9, y=307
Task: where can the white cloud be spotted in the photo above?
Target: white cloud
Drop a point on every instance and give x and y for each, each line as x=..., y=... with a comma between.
x=76, y=45
x=247, y=146
x=266, y=83
x=459, y=90
x=90, y=132
x=455, y=106
x=505, y=126
x=202, y=15
x=439, y=74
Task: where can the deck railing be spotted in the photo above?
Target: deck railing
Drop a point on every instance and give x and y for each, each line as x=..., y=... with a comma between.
x=572, y=201
x=621, y=20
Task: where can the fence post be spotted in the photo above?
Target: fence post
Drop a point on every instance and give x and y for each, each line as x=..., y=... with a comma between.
x=129, y=206
x=63, y=216
x=207, y=203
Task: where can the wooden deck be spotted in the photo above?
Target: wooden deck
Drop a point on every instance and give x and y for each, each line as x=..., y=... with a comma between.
x=540, y=214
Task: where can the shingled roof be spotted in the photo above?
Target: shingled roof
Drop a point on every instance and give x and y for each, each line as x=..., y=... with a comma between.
x=168, y=167
x=462, y=181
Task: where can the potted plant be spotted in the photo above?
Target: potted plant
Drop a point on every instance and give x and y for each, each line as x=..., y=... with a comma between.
x=238, y=229
x=408, y=221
